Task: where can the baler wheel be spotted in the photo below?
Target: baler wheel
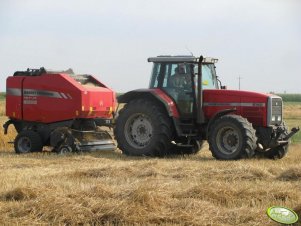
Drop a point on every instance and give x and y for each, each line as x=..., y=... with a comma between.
x=232, y=137
x=143, y=129
x=28, y=141
x=61, y=137
x=64, y=149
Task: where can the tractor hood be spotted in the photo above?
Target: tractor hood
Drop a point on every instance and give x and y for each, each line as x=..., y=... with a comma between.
x=237, y=93
x=237, y=96
x=251, y=105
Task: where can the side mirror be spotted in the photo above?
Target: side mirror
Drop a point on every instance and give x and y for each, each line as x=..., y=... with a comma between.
x=223, y=87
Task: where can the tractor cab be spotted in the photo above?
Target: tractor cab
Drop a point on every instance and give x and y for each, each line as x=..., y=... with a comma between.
x=178, y=77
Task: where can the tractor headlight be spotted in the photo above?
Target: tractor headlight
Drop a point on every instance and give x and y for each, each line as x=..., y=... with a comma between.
x=276, y=118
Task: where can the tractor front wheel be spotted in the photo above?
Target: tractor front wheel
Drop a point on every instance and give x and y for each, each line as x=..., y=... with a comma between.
x=232, y=137
x=143, y=129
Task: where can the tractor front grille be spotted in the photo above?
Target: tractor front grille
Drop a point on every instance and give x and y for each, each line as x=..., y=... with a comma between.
x=274, y=110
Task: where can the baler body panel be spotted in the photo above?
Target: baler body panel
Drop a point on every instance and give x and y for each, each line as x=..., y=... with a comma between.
x=14, y=97
x=56, y=97
x=250, y=105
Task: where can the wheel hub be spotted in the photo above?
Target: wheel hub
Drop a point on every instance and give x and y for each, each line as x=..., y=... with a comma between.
x=228, y=140
x=231, y=140
x=24, y=145
x=139, y=130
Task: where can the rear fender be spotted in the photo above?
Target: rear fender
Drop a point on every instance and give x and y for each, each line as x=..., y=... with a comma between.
x=159, y=97
x=152, y=94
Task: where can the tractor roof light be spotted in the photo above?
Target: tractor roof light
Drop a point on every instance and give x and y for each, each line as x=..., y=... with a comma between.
x=210, y=60
x=180, y=59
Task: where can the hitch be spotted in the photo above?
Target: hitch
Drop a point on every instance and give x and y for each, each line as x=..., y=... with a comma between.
x=292, y=133
x=282, y=137
x=6, y=125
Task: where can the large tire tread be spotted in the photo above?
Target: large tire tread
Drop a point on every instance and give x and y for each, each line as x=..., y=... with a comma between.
x=36, y=144
x=248, y=135
x=163, y=131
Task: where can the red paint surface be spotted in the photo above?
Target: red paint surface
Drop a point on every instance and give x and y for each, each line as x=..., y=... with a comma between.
x=257, y=115
x=173, y=111
x=75, y=102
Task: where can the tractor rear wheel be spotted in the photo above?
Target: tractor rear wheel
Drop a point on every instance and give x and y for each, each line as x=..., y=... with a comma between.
x=28, y=141
x=143, y=129
x=232, y=137
x=64, y=149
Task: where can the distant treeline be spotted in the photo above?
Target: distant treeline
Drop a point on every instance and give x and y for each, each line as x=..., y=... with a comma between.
x=290, y=97
x=2, y=96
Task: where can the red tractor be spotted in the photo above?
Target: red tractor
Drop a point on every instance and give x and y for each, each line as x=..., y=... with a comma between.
x=59, y=109
x=186, y=104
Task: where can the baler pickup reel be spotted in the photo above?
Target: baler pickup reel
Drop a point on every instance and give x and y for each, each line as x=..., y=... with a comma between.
x=93, y=140
x=65, y=140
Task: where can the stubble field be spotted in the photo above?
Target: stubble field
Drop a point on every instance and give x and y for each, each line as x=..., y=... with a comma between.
x=111, y=189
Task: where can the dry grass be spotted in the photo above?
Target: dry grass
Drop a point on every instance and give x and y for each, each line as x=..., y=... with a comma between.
x=2, y=107
x=4, y=145
x=292, y=110
x=107, y=188
x=292, y=114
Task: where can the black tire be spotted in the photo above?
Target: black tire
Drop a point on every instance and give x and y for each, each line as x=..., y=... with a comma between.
x=143, y=129
x=232, y=137
x=28, y=141
x=62, y=140
x=64, y=149
x=277, y=153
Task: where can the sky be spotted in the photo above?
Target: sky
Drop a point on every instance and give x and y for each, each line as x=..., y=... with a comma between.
x=257, y=40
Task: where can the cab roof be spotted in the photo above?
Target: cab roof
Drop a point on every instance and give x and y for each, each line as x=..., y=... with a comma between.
x=179, y=59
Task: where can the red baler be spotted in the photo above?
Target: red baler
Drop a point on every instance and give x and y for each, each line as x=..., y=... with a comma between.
x=59, y=109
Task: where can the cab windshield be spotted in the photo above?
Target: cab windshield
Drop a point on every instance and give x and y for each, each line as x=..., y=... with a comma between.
x=178, y=75
x=209, y=80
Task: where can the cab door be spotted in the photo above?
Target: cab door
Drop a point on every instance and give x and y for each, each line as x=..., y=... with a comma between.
x=176, y=84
